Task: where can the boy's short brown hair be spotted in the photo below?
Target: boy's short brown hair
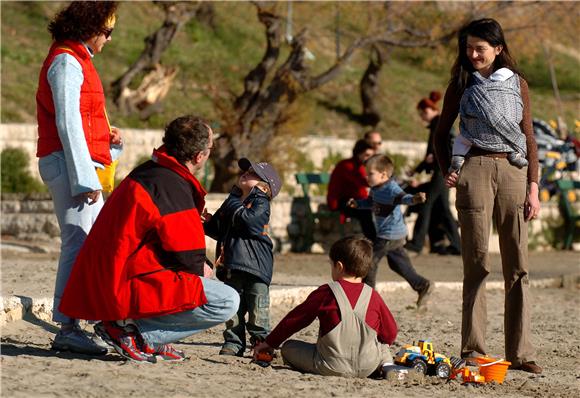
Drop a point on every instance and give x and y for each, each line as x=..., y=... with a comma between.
x=356, y=255
x=380, y=163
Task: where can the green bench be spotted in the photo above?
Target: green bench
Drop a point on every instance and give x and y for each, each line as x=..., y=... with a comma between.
x=569, y=213
x=322, y=213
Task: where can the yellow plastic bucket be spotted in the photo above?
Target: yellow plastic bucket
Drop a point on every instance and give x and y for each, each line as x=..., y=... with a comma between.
x=493, y=369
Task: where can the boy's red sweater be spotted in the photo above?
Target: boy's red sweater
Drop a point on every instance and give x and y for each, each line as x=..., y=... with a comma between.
x=322, y=304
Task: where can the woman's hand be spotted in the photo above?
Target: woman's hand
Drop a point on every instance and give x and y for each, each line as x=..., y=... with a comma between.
x=91, y=197
x=115, y=136
x=451, y=179
x=532, y=204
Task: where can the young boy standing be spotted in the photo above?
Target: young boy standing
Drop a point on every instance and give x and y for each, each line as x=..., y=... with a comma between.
x=385, y=199
x=356, y=327
x=245, y=257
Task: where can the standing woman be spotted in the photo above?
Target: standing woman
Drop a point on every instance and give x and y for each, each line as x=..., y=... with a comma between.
x=74, y=140
x=436, y=208
x=493, y=103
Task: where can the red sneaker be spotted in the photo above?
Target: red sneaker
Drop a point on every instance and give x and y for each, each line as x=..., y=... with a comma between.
x=124, y=341
x=164, y=352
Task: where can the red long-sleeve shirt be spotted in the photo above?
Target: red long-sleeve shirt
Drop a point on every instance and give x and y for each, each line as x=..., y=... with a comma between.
x=322, y=304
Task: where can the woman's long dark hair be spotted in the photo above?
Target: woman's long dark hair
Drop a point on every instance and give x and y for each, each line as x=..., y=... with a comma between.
x=81, y=20
x=486, y=29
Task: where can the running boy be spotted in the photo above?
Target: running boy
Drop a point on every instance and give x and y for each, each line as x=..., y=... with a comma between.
x=385, y=199
x=245, y=257
x=356, y=327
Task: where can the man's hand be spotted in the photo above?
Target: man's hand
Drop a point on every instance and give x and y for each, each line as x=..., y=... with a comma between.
x=419, y=197
x=115, y=136
x=91, y=197
x=207, y=271
x=352, y=203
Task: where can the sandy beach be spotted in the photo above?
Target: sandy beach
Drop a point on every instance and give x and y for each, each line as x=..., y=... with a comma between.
x=31, y=369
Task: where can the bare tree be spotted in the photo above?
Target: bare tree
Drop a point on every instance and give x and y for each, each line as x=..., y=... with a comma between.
x=156, y=83
x=254, y=117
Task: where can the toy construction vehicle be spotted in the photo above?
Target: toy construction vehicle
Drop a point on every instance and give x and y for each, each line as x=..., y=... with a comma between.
x=422, y=358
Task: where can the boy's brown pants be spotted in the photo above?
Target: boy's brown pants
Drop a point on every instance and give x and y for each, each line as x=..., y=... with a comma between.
x=491, y=188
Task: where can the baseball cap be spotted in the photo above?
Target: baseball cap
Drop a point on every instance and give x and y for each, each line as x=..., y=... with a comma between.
x=265, y=171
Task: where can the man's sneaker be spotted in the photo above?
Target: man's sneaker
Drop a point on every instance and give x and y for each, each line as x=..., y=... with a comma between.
x=163, y=352
x=424, y=294
x=123, y=341
x=75, y=340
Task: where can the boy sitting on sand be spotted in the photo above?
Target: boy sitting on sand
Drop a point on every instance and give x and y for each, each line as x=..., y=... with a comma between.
x=356, y=327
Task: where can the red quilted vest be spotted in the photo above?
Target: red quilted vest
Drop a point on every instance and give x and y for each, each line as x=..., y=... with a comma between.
x=92, y=106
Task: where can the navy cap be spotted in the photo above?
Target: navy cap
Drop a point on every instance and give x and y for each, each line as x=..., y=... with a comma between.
x=265, y=171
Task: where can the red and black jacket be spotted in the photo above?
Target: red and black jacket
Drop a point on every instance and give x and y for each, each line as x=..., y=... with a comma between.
x=146, y=250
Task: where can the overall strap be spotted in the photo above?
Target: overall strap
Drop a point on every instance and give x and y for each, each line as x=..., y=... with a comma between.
x=362, y=305
x=342, y=300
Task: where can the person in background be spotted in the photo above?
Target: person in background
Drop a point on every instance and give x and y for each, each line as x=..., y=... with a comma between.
x=348, y=180
x=436, y=191
x=492, y=100
x=142, y=270
x=74, y=141
x=374, y=139
x=384, y=201
x=245, y=252
x=356, y=326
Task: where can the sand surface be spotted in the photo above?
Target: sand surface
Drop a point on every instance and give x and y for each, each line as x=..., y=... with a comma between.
x=30, y=369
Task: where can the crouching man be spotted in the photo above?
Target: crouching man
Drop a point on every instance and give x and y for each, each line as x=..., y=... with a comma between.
x=141, y=269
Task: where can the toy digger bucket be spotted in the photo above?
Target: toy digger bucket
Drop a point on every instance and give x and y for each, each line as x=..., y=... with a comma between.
x=493, y=369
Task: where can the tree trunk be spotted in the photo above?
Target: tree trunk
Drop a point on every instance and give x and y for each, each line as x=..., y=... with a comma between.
x=146, y=99
x=369, y=88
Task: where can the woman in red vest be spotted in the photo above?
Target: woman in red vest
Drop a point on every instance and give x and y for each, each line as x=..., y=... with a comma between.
x=74, y=140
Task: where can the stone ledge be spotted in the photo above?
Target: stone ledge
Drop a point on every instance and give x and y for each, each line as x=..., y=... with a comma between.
x=14, y=308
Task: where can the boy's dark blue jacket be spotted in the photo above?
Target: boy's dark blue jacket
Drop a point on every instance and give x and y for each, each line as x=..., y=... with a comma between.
x=241, y=228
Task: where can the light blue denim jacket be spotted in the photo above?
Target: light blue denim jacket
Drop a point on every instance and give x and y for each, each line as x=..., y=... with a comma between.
x=65, y=77
x=385, y=200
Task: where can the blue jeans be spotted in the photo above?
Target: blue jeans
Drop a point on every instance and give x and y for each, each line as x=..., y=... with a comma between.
x=75, y=219
x=222, y=304
x=255, y=301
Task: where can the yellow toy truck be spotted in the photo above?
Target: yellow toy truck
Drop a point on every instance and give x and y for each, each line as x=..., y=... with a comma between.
x=422, y=358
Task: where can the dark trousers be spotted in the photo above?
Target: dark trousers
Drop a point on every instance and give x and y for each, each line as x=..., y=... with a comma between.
x=364, y=217
x=398, y=261
x=254, y=301
x=437, y=199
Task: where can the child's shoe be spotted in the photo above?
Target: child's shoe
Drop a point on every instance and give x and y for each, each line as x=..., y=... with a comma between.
x=456, y=163
x=229, y=350
x=517, y=159
x=424, y=294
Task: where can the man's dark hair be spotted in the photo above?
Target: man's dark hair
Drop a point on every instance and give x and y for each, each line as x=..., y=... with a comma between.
x=185, y=137
x=81, y=20
x=359, y=147
x=355, y=254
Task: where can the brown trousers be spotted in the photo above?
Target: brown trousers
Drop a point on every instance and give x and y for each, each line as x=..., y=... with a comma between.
x=492, y=189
